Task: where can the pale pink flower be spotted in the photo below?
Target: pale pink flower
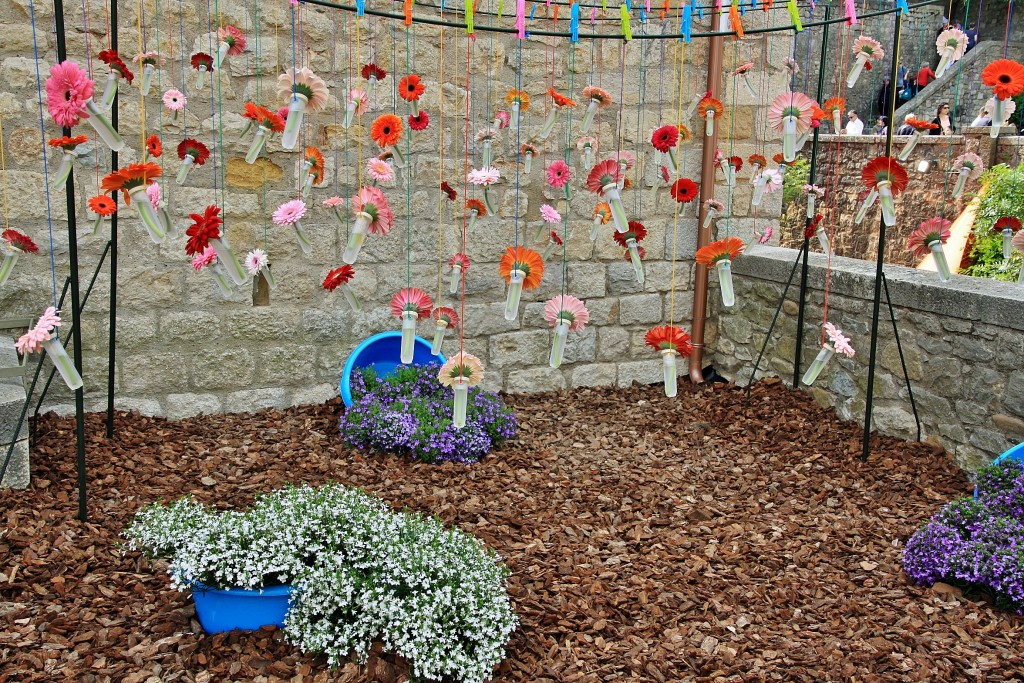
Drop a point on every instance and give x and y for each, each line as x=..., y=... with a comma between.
x=773, y=179
x=714, y=205
x=153, y=192
x=795, y=104
x=255, y=261
x=819, y=192
x=48, y=320
x=586, y=141
x=303, y=81
x=970, y=161
x=290, y=213
x=31, y=341
x=840, y=342
x=559, y=174
x=763, y=237
x=461, y=366
x=502, y=118
x=174, y=100
x=360, y=98
x=624, y=156
x=1018, y=241
x=485, y=134
x=207, y=258
x=549, y=214
x=869, y=47
x=484, y=176
x=568, y=309
x=333, y=202
x=67, y=89
x=371, y=201
x=379, y=170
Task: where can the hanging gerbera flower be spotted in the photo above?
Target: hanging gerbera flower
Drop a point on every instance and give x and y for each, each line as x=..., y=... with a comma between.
x=520, y=97
x=234, y=38
x=270, y=120
x=386, y=131
x=102, y=205
x=885, y=169
x=255, y=261
x=839, y=341
x=410, y=88
x=20, y=241
x=921, y=124
x=338, y=276
x=549, y=214
x=484, y=176
x=460, y=260
x=665, y=138
x=558, y=174
x=201, y=60
x=446, y=315
x=174, y=100
x=463, y=367
x=636, y=232
x=757, y=160
x=834, y=105
x=931, y=230
x=205, y=227
x=603, y=174
x=151, y=58
x=560, y=100
x=116, y=65
x=791, y=104
x=709, y=103
x=153, y=146
x=371, y=201
x=130, y=177
x=525, y=260
x=379, y=170
x=669, y=338
x=728, y=248
x=303, y=82
x=1005, y=77
x=67, y=90
x=411, y=299
x=1011, y=223
x=372, y=72
x=68, y=144
x=501, y=120
x=685, y=135
x=419, y=121
x=972, y=162
x=290, y=212
x=195, y=149
x=448, y=191
x=476, y=205
x=315, y=158
x=868, y=47
x=567, y=309
x=684, y=190
x=205, y=258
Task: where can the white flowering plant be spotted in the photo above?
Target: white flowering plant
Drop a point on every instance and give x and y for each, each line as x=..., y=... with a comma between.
x=363, y=574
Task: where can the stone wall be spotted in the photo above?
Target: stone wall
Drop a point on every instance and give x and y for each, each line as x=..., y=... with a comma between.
x=963, y=343
x=184, y=350
x=927, y=195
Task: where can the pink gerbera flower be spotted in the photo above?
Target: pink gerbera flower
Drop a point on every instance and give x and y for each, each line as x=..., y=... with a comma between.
x=565, y=308
x=794, y=104
x=839, y=341
x=290, y=213
x=371, y=201
x=174, y=100
x=604, y=173
x=153, y=192
x=549, y=214
x=379, y=170
x=67, y=89
x=206, y=257
x=234, y=38
x=333, y=202
x=255, y=261
x=484, y=176
x=559, y=174
x=411, y=299
x=931, y=230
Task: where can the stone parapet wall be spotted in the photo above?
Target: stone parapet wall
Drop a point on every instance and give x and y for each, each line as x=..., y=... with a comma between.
x=962, y=341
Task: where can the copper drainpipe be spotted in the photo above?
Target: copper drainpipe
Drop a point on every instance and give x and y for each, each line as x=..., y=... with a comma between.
x=707, y=191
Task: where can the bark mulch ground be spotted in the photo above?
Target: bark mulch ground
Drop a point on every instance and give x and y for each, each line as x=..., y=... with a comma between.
x=649, y=539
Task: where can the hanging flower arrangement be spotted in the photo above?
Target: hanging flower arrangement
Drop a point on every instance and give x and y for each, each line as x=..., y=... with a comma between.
x=116, y=70
x=310, y=170
x=951, y=46
x=373, y=216
x=628, y=240
x=459, y=263
x=521, y=268
x=1007, y=225
x=232, y=43
x=554, y=239
x=448, y=191
x=720, y=255
x=460, y=372
x=485, y=138
x=710, y=109
x=379, y=170
x=303, y=90
x=174, y=101
x=835, y=342
x=790, y=114
x=664, y=140
x=154, y=148
x=684, y=190
x=69, y=146
x=558, y=101
x=257, y=262
x=411, y=88
x=670, y=341
x=865, y=50
x=291, y=213
x=44, y=336
x=386, y=131
x=267, y=122
x=566, y=314
x=603, y=180
x=485, y=177
x=409, y=305
x=757, y=164
x=15, y=244
x=519, y=102
x=150, y=62
x=204, y=229
x=920, y=128
x=419, y=120
x=339, y=278
x=445, y=319
x=730, y=167
x=357, y=104
x=1006, y=78
x=558, y=175
x=967, y=166
x=885, y=178
x=132, y=181
x=501, y=120
x=602, y=215
x=929, y=238
x=192, y=153
x=69, y=99
x=596, y=98
x=104, y=207
x=835, y=107
x=203, y=64
x=713, y=207
x=742, y=72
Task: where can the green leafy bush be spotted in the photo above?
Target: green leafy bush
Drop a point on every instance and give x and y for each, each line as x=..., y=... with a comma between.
x=796, y=177
x=1003, y=196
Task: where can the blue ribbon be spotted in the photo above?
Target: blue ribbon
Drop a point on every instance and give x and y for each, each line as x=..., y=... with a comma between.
x=533, y=10
x=643, y=15
x=574, y=23
x=902, y=4
x=361, y=8
x=686, y=24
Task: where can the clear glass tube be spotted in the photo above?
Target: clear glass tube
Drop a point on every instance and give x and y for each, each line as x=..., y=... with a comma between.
x=997, y=118
x=435, y=346
x=588, y=118
x=461, y=387
x=810, y=204
x=221, y=278
x=165, y=220
x=350, y=112
x=350, y=296
x=634, y=258
x=709, y=216
x=668, y=358
x=940, y=259
x=746, y=84
x=755, y=172
x=588, y=156
x=487, y=153
x=513, y=120
x=456, y=279
x=709, y=128
x=7, y=267
x=268, y=275
x=148, y=71
x=885, y=200
x=489, y=200
x=228, y=261
x=149, y=216
x=693, y=105
x=304, y=243
x=186, y=165
x=961, y=181
x=200, y=77
x=595, y=229
x=611, y=193
x=1020, y=278
x=356, y=237
x=673, y=165
x=725, y=282
x=759, y=187
x=109, y=91
x=515, y=291
x=409, y=319
x=789, y=138
x=62, y=361
x=398, y=157
x=909, y=147
x=730, y=174
x=818, y=364
x=296, y=110
x=868, y=202
x=101, y=124
x=549, y=123
x=307, y=185
x=527, y=162
x=558, y=344
x=947, y=54
x=837, y=120
x=64, y=170
x=823, y=240
x=257, y=145
x=851, y=80
x=222, y=54
x=1007, y=243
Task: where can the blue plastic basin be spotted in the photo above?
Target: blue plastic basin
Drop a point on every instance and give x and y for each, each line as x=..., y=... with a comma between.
x=226, y=610
x=1015, y=453
x=383, y=352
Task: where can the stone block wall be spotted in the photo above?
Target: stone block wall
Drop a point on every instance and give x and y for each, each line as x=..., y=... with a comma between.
x=962, y=341
x=184, y=350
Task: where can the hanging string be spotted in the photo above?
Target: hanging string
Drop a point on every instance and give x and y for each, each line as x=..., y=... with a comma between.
x=408, y=181
x=568, y=154
x=88, y=61
x=440, y=165
x=680, y=67
x=359, y=116
x=184, y=60
x=465, y=182
x=142, y=99
x=46, y=170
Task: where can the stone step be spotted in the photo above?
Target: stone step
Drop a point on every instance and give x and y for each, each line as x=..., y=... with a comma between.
x=12, y=401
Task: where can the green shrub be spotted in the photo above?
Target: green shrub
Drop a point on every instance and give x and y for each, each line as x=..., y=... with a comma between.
x=1003, y=196
x=796, y=177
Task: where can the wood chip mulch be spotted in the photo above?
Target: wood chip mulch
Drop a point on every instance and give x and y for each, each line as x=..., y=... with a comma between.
x=691, y=539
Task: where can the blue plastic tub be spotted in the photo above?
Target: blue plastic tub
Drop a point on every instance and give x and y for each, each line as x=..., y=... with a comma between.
x=247, y=610
x=382, y=352
x=1015, y=453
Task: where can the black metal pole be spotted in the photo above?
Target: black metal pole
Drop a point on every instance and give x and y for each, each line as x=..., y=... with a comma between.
x=807, y=221
x=880, y=259
x=112, y=340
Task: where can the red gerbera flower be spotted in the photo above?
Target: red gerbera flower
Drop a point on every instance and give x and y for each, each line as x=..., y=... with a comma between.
x=205, y=227
x=684, y=190
x=410, y=88
x=68, y=143
x=419, y=121
x=665, y=138
x=153, y=146
x=885, y=168
x=19, y=241
x=202, y=59
x=758, y=159
x=1005, y=77
x=668, y=337
x=476, y=205
x=635, y=230
x=449, y=191
x=1011, y=222
x=338, y=277
x=371, y=70
x=778, y=158
x=812, y=226
x=195, y=149
x=114, y=61
x=735, y=162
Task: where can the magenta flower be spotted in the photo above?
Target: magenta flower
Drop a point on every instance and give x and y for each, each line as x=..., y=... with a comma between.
x=205, y=258
x=559, y=174
x=502, y=118
x=763, y=237
x=153, y=192
x=290, y=213
x=67, y=89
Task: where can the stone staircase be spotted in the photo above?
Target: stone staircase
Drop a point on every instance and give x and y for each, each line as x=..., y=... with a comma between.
x=961, y=86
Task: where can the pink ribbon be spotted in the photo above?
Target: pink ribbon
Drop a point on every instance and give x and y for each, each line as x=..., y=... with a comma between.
x=521, y=18
x=851, y=11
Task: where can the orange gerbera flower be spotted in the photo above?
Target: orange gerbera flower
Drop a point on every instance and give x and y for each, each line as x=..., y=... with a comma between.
x=526, y=260
x=520, y=96
x=708, y=103
x=603, y=212
x=269, y=119
x=102, y=205
x=153, y=146
x=386, y=130
x=668, y=337
x=252, y=112
x=885, y=168
x=728, y=248
x=67, y=143
x=778, y=158
x=757, y=159
x=834, y=103
x=476, y=205
x=817, y=113
x=561, y=100
x=1005, y=77
x=684, y=134
x=317, y=169
x=410, y=88
x=130, y=177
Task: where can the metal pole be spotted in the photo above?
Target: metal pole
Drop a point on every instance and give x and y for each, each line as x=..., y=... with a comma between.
x=807, y=221
x=879, y=261
x=76, y=310
x=112, y=340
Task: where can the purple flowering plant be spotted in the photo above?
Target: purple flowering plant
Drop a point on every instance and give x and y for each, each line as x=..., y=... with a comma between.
x=409, y=412
x=977, y=543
